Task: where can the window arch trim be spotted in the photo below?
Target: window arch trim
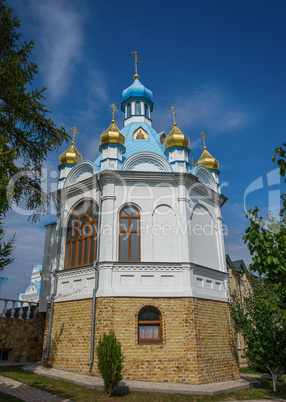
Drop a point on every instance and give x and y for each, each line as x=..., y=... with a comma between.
x=81, y=235
x=150, y=327
x=129, y=227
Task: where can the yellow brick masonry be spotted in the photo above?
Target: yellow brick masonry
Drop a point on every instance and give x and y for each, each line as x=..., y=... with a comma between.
x=197, y=339
x=216, y=344
x=70, y=337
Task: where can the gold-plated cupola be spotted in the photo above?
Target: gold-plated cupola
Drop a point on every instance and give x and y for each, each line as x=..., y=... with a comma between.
x=206, y=158
x=71, y=155
x=112, y=134
x=176, y=137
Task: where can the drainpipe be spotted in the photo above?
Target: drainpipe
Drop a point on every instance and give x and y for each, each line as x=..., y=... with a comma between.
x=239, y=279
x=55, y=285
x=96, y=275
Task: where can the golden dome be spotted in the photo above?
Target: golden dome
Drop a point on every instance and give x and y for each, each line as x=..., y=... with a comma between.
x=71, y=155
x=176, y=138
x=207, y=160
x=113, y=135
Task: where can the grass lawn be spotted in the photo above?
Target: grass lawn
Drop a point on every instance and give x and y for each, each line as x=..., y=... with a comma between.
x=78, y=393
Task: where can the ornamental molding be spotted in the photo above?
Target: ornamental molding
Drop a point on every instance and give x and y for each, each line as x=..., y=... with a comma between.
x=121, y=267
x=72, y=272
x=83, y=169
x=108, y=197
x=149, y=269
x=184, y=200
x=209, y=273
x=205, y=177
x=76, y=189
x=191, y=182
x=149, y=158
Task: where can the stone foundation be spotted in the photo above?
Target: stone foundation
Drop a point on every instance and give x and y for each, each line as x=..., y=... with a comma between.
x=197, y=347
x=23, y=337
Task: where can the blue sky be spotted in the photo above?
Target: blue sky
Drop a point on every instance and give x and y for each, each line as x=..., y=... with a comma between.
x=220, y=63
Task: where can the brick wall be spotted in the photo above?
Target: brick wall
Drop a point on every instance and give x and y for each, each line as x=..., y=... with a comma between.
x=24, y=337
x=70, y=336
x=196, y=347
x=217, y=354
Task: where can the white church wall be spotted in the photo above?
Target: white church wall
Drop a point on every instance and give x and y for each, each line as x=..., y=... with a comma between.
x=48, y=266
x=165, y=240
x=203, y=239
x=166, y=205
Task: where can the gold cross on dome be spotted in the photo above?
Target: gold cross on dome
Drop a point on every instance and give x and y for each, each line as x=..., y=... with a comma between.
x=204, y=137
x=75, y=131
x=114, y=110
x=136, y=61
x=174, y=114
x=193, y=162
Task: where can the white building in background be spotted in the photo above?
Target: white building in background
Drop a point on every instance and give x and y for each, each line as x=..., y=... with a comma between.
x=32, y=293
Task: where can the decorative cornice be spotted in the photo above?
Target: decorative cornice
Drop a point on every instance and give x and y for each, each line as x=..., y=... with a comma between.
x=209, y=273
x=184, y=199
x=88, y=184
x=146, y=157
x=70, y=272
x=108, y=197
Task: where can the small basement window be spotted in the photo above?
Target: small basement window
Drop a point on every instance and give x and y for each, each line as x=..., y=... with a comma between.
x=5, y=355
x=149, y=325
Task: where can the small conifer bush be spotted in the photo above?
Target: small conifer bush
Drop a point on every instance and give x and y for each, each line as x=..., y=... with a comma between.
x=109, y=361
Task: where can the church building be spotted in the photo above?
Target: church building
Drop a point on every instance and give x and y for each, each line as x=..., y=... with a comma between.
x=138, y=248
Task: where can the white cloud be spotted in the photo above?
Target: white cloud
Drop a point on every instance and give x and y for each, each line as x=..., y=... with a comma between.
x=60, y=35
x=97, y=85
x=206, y=108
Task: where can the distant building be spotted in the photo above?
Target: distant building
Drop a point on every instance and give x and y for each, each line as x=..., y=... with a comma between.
x=32, y=293
x=238, y=278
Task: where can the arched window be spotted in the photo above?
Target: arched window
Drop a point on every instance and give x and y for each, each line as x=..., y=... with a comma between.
x=129, y=110
x=149, y=325
x=129, y=234
x=82, y=235
x=146, y=110
x=137, y=108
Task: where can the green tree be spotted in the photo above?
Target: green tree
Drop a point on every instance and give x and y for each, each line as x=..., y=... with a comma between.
x=258, y=317
x=109, y=361
x=27, y=132
x=280, y=158
x=266, y=241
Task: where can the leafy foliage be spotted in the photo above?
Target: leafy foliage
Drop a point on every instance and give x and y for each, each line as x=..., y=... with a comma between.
x=281, y=162
x=6, y=249
x=266, y=240
x=109, y=361
x=267, y=244
x=258, y=317
x=26, y=131
x=280, y=158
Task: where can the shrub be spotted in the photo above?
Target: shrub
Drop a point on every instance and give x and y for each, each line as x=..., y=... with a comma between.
x=109, y=361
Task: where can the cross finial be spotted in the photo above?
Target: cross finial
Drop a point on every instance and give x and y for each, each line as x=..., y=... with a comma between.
x=193, y=162
x=113, y=111
x=136, y=64
x=204, y=138
x=75, y=131
x=174, y=114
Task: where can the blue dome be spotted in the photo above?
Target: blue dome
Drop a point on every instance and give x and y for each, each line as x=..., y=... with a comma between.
x=137, y=89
